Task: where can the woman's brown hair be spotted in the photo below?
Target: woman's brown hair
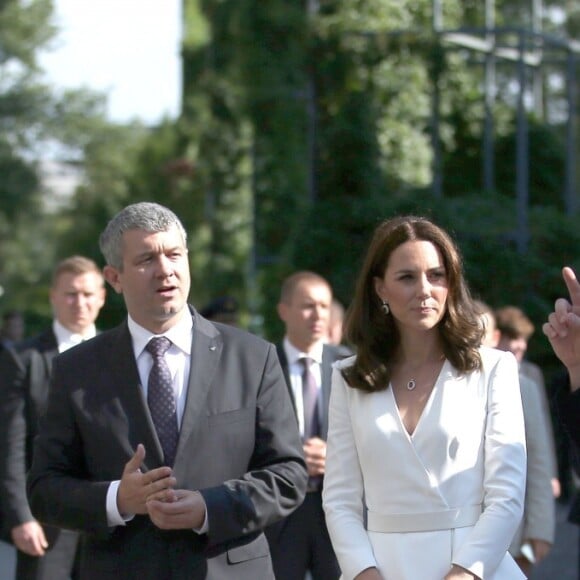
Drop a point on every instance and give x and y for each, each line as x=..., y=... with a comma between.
x=375, y=335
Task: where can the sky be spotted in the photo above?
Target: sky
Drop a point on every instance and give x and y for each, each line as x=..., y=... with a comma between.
x=127, y=49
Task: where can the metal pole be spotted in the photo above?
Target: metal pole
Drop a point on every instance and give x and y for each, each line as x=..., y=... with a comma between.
x=537, y=77
x=311, y=117
x=435, y=105
x=522, y=169
x=489, y=100
x=570, y=194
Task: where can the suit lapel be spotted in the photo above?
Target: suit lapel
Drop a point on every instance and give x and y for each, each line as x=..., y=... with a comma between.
x=126, y=383
x=326, y=377
x=206, y=351
x=284, y=364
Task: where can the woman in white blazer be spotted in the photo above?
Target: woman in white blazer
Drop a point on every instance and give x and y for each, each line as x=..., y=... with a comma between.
x=426, y=464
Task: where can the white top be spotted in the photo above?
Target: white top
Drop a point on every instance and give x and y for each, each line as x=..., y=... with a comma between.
x=66, y=339
x=468, y=450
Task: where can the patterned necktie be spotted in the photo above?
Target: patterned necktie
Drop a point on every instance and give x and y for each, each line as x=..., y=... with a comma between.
x=309, y=399
x=161, y=399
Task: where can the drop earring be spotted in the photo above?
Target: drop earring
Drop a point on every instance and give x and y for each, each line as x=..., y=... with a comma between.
x=385, y=307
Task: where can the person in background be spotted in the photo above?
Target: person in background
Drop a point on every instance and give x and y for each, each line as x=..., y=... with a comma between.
x=426, y=428
x=563, y=331
x=335, y=322
x=77, y=294
x=300, y=543
x=535, y=536
x=169, y=441
x=224, y=309
x=515, y=330
x=12, y=330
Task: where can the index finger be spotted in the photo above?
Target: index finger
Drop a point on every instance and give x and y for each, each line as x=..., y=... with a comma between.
x=572, y=284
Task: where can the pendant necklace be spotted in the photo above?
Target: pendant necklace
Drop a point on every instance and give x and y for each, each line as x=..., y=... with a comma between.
x=411, y=385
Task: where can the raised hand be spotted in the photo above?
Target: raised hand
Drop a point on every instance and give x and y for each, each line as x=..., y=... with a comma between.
x=563, y=327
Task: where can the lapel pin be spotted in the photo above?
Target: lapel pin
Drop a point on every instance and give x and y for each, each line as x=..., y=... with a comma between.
x=212, y=348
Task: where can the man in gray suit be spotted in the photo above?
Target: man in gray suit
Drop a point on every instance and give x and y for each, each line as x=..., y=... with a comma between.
x=170, y=441
x=300, y=543
x=77, y=295
x=535, y=536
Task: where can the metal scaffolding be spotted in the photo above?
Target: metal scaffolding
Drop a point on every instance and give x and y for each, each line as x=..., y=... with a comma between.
x=529, y=49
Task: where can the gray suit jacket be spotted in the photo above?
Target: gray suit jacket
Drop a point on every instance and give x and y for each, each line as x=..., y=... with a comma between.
x=238, y=445
x=539, y=520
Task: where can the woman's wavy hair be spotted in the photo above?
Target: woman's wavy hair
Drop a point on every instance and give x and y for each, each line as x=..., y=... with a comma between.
x=375, y=336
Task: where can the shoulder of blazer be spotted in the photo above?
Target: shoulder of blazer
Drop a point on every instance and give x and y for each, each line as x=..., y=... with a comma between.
x=114, y=341
x=282, y=356
x=333, y=353
x=43, y=342
x=230, y=336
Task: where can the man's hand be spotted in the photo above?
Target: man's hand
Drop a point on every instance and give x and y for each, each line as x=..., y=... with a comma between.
x=563, y=328
x=177, y=509
x=540, y=548
x=459, y=573
x=29, y=538
x=135, y=487
x=315, y=455
x=369, y=574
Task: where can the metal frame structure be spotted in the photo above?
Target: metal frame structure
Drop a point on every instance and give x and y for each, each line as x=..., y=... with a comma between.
x=529, y=48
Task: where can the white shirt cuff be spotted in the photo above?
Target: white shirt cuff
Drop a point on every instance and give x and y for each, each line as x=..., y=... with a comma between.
x=114, y=518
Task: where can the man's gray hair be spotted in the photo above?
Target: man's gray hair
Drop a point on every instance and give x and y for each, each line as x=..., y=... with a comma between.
x=147, y=216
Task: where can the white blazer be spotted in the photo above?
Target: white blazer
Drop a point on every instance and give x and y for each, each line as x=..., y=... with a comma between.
x=452, y=492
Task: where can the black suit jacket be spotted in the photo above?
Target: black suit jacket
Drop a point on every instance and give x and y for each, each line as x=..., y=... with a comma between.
x=24, y=382
x=238, y=445
x=568, y=416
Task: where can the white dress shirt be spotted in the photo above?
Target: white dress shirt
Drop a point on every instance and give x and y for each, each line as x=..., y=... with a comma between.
x=66, y=339
x=177, y=357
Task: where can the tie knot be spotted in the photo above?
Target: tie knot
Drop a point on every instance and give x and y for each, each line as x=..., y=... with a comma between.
x=307, y=361
x=158, y=346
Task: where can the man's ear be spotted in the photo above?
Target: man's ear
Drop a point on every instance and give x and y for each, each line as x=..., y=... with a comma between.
x=281, y=308
x=111, y=275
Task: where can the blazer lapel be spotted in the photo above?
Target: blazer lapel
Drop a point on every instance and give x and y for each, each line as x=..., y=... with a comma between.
x=326, y=378
x=284, y=364
x=206, y=351
x=126, y=382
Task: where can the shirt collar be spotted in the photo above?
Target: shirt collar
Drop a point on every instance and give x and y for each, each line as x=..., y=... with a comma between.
x=293, y=354
x=66, y=339
x=179, y=334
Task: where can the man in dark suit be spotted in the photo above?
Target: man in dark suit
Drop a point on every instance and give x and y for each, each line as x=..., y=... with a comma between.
x=300, y=543
x=77, y=294
x=170, y=441
x=12, y=330
x=563, y=332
